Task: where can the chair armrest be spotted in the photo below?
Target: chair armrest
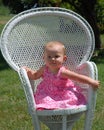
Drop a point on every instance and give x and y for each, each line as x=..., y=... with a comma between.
x=89, y=69
x=27, y=86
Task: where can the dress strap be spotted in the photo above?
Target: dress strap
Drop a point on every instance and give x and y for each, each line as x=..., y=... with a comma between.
x=60, y=70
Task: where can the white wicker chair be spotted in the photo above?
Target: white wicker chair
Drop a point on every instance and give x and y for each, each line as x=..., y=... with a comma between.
x=22, y=41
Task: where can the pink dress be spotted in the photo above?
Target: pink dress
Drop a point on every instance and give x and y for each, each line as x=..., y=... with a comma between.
x=55, y=92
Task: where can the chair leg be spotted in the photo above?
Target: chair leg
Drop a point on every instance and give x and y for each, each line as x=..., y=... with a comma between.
x=36, y=122
x=64, y=123
x=88, y=120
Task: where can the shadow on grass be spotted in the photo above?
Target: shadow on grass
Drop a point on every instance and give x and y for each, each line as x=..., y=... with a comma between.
x=3, y=63
x=99, y=58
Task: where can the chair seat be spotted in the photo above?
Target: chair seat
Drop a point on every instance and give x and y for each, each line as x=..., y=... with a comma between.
x=67, y=111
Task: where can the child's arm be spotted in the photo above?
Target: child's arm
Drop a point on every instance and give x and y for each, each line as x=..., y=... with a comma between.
x=34, y=74
x=80, y=78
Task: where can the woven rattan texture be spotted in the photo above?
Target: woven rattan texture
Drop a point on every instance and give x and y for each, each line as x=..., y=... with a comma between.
x=26, y=36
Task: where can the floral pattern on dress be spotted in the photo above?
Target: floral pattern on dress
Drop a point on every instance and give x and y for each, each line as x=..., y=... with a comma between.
x=55, y=92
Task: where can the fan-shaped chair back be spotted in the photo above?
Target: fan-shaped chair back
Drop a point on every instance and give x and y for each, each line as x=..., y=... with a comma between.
x=24, y=36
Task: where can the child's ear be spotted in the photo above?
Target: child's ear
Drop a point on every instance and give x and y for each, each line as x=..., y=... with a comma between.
x=65, y=58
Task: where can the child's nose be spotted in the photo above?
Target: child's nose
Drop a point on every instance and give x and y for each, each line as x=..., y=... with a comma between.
x=53, y=58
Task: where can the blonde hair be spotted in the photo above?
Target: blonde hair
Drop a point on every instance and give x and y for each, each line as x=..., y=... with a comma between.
x=55, y=43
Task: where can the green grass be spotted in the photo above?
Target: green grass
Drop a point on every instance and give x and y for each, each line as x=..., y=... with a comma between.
x=4, y=16
x=13, y=107
x=99, y=113
x=102, y=40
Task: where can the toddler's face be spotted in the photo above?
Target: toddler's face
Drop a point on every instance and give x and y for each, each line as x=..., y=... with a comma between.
x=54, y=57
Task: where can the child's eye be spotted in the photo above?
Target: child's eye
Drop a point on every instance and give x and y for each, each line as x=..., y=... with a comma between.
x=49, y=57
x=57, y=56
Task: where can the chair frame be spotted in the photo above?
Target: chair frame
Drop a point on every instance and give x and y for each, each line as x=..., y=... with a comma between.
x=91, y=70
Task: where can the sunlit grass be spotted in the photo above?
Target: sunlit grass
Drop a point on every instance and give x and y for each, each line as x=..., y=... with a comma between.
x=13, y=106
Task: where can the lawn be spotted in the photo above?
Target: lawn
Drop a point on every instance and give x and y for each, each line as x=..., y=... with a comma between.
x=13, y=107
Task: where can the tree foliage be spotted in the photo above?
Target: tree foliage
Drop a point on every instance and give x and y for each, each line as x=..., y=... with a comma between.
x=100, y=15
x=87, y=8
x=17, y=6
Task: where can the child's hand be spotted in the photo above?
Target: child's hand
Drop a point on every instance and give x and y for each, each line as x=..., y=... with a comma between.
x=26, y=68
x=34, y=74
x=96, y=84
x=29, y=71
